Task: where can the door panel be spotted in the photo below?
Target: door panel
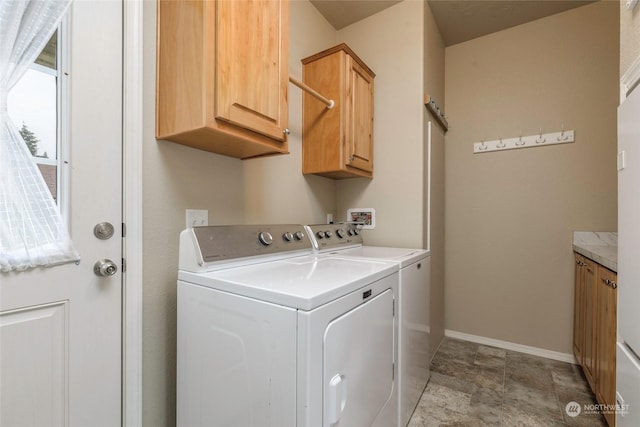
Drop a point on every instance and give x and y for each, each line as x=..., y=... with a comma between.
x=360, y=107
x=590, y=290
x=80, y=312
x=358, y=364
x=34, y=371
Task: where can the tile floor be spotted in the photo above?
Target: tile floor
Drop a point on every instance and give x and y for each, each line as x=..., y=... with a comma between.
x=477, y=385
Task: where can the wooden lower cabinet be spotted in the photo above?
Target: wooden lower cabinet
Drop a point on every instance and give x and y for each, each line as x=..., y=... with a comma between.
x=584, y=328
x=606, y=340
x=595, y=328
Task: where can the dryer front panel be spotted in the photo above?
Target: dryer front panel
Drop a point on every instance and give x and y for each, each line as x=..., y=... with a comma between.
x=358, y=364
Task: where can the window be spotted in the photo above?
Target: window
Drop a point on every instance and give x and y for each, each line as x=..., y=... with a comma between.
x=33, y=106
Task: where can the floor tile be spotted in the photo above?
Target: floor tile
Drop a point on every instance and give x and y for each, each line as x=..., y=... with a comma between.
x=478, y=385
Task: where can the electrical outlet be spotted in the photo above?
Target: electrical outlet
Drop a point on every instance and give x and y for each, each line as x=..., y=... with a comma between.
x=197, y=217
x=329, y=218
x=364, y=217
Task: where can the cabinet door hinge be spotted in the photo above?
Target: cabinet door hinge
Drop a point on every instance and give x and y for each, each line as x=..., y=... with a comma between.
x=124, y=265
x=393, y=371
x=124, y=230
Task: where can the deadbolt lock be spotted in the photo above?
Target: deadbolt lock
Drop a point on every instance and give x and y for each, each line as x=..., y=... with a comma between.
x=103, y=230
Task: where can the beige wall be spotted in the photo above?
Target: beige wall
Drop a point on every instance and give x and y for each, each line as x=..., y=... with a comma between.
x=252, y=191
x=629, y=36
x=391, y=44
x=510, y=215
x=275, y=190
x=433, y=174
x=174, y=178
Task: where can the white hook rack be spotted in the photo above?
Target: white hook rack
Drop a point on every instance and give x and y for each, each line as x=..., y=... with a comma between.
x=539, y=140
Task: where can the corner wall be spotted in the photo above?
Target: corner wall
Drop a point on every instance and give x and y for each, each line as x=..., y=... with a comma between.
x=175, y=178
x=434, y=175
x=276, y=191
x=391, y=44
x=510, y=214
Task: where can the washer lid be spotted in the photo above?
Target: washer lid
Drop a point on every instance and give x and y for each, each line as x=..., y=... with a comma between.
x=404, y=256
x=304, y=282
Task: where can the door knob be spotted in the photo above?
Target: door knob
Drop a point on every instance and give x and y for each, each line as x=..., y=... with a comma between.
x=105, y=268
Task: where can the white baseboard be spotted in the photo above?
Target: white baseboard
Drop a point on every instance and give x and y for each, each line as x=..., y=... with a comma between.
x=535, y=351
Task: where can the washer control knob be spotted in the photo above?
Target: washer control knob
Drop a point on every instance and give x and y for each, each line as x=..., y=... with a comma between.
x=298, y=235
x=328, y=234
x=265, y=238
x=287, y=236
x=356, y=232
x=320, y=234
x=340, y=233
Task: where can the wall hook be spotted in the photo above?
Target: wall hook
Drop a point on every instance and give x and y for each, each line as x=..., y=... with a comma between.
x=520, y=142
x=501, y=144
x=562, y=136
x=540, y=139
x=482, y=146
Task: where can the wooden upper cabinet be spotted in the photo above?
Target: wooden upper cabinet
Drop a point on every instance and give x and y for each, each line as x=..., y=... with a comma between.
x=223, y=75
x=338, y=142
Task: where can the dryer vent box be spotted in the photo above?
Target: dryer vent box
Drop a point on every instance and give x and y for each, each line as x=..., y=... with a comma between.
x=364, y=217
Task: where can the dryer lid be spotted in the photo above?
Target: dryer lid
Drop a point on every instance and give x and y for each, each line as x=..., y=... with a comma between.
x=303, y=282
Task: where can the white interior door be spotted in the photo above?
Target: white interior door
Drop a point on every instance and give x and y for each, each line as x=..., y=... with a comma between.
x=60, y=327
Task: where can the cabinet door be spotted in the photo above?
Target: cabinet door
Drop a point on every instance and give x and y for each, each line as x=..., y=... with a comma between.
x=358, y=364
x=590, y=289
x=253, y=65
x=578, y=310
x=606, y=342
x=360, y=117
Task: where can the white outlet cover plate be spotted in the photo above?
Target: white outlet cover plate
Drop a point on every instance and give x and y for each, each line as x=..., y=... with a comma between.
x=368, y=215
x=197, y=217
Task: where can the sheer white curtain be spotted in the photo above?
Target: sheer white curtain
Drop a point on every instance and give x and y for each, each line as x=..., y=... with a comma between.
x=32, y=233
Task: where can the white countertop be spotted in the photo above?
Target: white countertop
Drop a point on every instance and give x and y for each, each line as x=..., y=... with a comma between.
x=601, y=247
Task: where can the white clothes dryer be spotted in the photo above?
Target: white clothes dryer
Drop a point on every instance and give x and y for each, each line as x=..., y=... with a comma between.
x=345, y=240
x=270, y=334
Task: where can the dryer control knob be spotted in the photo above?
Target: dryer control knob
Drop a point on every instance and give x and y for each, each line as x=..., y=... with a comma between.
x=265, y=238
x=320, y=234
x=328, y=234
x=340, y=233
x=287, y=236
x=298, y=235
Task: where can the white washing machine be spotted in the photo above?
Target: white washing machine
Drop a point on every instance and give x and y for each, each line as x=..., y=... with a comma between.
x=270, y=334
x=345, y=240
